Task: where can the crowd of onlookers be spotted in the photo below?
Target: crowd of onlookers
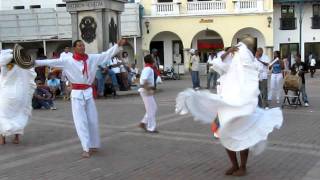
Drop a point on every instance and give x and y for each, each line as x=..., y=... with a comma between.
x=272, y=73
x=119, y=73
x=116, y=74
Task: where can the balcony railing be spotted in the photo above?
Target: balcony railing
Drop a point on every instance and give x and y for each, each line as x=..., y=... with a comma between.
x=315, y=22
x=249, y=5
x=288, y=23
x=165, y=9
x=206, y=7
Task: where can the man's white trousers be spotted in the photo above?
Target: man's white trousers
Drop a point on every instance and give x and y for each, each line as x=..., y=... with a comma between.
x=275, y=86
x=151, y=109
x=85, y=118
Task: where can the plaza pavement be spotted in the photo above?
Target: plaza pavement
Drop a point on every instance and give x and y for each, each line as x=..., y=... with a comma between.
x=184, y=149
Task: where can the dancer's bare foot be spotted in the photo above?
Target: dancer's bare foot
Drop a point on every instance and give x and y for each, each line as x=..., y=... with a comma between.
x=240, y=172
x=231, y=170
x=16, y=139
x=93, y=150
x=2, y=140
x=143, y=126
x=85, y=154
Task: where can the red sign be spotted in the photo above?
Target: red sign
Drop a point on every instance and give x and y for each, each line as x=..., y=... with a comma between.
x=208, y=45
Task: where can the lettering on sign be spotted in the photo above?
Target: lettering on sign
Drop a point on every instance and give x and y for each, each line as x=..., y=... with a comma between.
x=85, y=5
x=206, y=21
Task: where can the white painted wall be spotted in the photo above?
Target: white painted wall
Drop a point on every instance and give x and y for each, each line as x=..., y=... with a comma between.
x=308, y=34
x=9, y=4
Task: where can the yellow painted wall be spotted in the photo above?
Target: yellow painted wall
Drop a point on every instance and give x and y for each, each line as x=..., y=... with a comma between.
x=227, y=26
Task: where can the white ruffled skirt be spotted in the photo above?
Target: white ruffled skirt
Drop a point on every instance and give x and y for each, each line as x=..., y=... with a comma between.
x=237, y=133
x=16, y=90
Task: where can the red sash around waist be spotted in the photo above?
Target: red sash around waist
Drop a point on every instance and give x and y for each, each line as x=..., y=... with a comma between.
x=80, y=86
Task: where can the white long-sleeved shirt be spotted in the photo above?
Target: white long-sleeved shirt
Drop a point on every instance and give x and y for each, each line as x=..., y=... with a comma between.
x=73, y=69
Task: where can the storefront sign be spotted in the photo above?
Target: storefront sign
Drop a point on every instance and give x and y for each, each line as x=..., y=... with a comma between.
x=206, y=21
x=85, y=5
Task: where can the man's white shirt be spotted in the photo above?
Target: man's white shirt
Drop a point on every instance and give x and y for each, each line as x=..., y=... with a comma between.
x=74, y=69
x=263, y=70
x=147, y=75
x=210, y=62
x=64, y=54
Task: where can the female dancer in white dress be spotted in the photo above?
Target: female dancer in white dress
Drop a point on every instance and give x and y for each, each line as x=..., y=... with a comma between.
x=16, y=90
x=242, y=124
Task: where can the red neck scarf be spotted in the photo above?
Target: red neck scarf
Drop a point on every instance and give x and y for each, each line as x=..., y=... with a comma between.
x=153, y=67
x=84, y=58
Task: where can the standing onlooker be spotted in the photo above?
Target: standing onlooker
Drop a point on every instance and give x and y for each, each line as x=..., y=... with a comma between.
x=301, y=68
x=312, y=66
x=101, y=78
x=286, y=64
x=41, y=71
x=115, y=67
x=212, y=74
x=195, y=60
x=156, y=58
x=66, y=52
x=262, y=62
x=276, y=67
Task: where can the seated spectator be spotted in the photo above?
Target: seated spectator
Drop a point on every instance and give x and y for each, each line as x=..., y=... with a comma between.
x=42, y=98
x=54, y=84
x=134, y=71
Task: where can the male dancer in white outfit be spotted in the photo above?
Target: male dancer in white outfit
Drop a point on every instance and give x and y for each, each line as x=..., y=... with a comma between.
x=80, y=70
x=148, y=122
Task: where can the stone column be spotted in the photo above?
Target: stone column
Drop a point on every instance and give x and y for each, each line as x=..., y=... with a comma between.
x=74, y=24
x=91, y=22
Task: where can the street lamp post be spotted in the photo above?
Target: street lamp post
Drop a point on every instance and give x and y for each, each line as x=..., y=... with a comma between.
x=301, y=2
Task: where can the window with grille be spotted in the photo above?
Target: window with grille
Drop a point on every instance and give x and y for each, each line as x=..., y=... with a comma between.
x=61, y=5
x=35, y=6
x=287, y=20
x=18, y=7
x=316, y=16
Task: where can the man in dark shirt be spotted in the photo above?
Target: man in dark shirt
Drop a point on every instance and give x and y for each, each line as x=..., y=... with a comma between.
x=42, y=97
x=301, y=68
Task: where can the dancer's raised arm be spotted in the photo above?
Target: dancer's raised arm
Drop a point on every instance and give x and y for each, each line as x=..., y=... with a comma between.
x=50, y=62
x=104, y=56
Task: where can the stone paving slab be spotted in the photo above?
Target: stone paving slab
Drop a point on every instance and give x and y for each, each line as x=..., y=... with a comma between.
x=184, y=149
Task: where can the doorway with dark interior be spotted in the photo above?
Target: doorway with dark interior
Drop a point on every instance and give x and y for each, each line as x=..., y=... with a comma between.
x=158, y=45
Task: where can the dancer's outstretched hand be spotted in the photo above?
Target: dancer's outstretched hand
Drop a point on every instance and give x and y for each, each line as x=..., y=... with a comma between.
x=6, y=56
x=122, y=42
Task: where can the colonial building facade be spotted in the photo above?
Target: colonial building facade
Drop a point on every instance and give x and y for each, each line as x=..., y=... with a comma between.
x=46, y=26
x=297, y=28
x=174, y=26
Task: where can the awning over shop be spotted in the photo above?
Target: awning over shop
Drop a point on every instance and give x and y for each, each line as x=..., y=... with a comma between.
x=210, y=44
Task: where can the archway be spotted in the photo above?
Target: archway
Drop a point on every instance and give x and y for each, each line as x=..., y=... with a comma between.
x=252, y=33
x=205, y=42
x=169, y=47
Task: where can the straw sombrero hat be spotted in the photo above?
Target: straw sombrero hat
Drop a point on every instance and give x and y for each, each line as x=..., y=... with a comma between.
x=21, y=58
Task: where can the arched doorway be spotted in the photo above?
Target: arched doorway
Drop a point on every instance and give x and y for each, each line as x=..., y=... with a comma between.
x=205, y=42
x=169, y=47
x=252, y=33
